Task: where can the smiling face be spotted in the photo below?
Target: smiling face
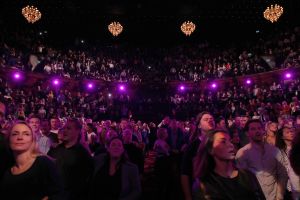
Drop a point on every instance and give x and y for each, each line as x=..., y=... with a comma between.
x=222, y=148
x=34, y=123
x=21, y=138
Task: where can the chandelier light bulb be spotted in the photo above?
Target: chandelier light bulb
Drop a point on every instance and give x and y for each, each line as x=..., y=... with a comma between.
x=115, y=28
x=188, y=28
x=31, y=14
x=273, y=13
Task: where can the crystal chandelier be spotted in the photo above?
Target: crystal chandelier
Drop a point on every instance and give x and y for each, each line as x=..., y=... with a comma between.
x=188, y=28
x=115, y=28
x=273, y=13
x=31, y=14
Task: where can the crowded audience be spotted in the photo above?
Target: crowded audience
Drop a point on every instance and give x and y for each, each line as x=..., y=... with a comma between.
x=123, y=63
x=239, y=142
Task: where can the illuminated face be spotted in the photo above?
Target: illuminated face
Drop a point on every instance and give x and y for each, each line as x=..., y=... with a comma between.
x=21, y=138
x=54, y=123
x=207, y=122
x=222, y=148
x=34, y=123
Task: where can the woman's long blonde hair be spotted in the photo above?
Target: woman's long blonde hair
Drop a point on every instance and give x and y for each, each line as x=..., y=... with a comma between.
x=34, y=147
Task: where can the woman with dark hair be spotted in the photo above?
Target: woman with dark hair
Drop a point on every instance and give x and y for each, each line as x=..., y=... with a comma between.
x=33, y=176
x=216, y=176
x=205, y=123
x=114, y=177
x=284, y=141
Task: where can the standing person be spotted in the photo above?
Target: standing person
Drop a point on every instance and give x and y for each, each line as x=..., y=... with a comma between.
x=32, y=176
x=3, y=122
x=163, y=165
x=115, y=178
x=134, y=153
x=216, y=174
x=294, y=154
x=271, y=132
x=73, y=160
x=284, y=141
x=54, y=127
x=205, y=123
x=264, y=160
x=43, y=142
x=6, y=158
x=91, y=137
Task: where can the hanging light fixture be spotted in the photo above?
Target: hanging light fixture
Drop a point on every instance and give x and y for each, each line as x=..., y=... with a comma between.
x=188, y=28
x=115, y=28
x=31, y=14
x=273, y=13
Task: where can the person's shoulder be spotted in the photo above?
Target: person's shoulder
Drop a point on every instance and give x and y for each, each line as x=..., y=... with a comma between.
x=247, y=147
x=245, y=173
x=80, y=149
x=57, y=149
x=100, y=156
x=243, y=151
x=194, y=145
x=100, y=159
x=45, y=161
x=130, y=166
x=272, y=148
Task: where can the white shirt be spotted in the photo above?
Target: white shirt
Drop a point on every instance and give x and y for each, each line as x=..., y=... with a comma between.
x=267, y=164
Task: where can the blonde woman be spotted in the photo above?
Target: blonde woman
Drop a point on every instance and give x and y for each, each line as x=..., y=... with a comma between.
x=33, y=175
x=271, y=133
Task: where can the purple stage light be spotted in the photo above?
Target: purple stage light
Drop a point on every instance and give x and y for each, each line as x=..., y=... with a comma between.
x=181, y=88
x=90, y=86
x=56, y=82
x=122, y=88
x=248, y=81
x=288, y=75
x=17, y=75
x=109, y=95
x=214, y=85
